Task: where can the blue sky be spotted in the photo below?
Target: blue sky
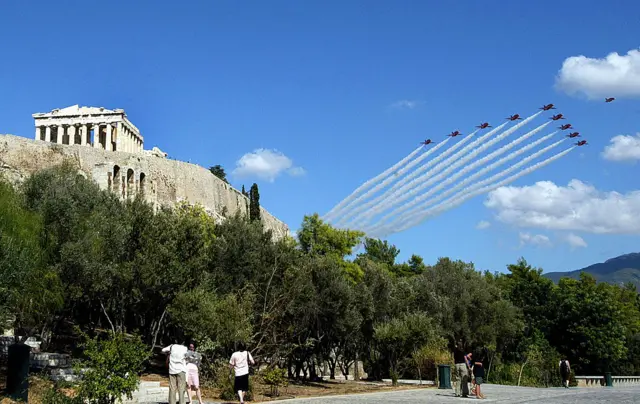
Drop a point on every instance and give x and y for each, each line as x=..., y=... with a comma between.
x=209, y=81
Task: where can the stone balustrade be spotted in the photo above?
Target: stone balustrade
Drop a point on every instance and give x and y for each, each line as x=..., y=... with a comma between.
x=599, y=381
x=626, y=380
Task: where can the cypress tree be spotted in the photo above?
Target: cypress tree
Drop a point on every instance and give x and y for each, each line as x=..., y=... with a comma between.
x=254, y=203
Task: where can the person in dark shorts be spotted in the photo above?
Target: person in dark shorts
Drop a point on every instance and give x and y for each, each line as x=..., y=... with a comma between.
x=239, y=362
x=478, y=377
x=565, y=372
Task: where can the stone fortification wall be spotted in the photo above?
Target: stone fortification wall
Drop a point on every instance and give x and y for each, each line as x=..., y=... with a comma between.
x=162, y=181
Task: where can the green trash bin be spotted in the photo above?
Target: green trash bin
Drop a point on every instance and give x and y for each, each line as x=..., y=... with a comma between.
x=608, y=379
x=444, y=376
x=18, y=371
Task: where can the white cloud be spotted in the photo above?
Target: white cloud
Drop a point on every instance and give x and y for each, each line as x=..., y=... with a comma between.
x=578, y=207
x=623, y=148
x=539, y=240
x=575, y=241
x=483, y=224
x=408, y=104
x=266, y=164
x=613, y=76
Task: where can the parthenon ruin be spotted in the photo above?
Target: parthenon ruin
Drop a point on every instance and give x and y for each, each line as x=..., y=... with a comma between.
x=100, y=128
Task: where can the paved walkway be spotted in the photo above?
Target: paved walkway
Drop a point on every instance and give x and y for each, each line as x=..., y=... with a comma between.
x=494, y=393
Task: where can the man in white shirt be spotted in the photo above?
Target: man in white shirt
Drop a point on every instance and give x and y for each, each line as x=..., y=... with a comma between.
x=177, y=371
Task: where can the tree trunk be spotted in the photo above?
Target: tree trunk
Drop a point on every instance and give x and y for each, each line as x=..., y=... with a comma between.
x=489, y=368
x=332, y=369
x=521, y=369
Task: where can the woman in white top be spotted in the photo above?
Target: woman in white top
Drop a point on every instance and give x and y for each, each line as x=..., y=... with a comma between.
x=239, y=362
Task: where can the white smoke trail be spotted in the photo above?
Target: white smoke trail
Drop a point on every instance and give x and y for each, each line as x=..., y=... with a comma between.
x=481, y=183
x=367, y=183
x=393, y=177
x=487, y=169
x=464, y=195
x=407, y=178
x=406, y=192
x=466, y=169
x=397, y=189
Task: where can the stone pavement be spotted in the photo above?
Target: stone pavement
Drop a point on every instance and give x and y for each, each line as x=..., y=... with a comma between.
x=494, y=394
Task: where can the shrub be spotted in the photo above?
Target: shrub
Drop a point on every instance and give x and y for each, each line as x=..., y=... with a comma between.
x=275, y=378
x=56, y=396
x=224, y=381
x=112, y=368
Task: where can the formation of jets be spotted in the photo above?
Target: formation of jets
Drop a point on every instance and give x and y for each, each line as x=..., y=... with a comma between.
x=516, y=117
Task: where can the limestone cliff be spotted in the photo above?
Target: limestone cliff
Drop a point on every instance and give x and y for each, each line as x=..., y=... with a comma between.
x=161, y=181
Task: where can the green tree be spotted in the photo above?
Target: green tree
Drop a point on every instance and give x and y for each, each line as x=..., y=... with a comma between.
x=30, y=292
x=317, y=237
x=254, y=203
x=380, y=251
x=399, y=338
x=529, y=290
x=588, y=324
x=216, y=323
x=219, y=172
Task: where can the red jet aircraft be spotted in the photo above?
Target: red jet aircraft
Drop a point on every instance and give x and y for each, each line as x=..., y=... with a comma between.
x=426, y=142
x=514, y=117
x=455, y=133
x=565, y=126
x=547, y=107
x=581, y=143
x=574, y=134
x=484, y=125
x=609, y=99
x=556, y=117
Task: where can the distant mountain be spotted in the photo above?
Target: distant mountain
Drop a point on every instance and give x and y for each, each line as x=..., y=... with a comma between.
x=618, y=270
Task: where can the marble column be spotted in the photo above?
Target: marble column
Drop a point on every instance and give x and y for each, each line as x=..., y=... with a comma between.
x=96, y=136
x=119, y=136
x=71, y=130
x=47, y=133
x=37, y=133
x=107, y=137
x=83, y=134
x=60, y=134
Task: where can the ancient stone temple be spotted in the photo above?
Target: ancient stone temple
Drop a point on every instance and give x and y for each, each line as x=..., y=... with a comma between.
x=96, y=127
x=106, y=147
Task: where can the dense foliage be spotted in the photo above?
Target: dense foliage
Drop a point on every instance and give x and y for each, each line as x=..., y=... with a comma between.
x=73, y=255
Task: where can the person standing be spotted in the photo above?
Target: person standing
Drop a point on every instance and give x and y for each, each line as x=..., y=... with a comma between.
x=239, y=362
x=478, y=377
x=177, y=371
x=193, y=360
x=565, y=371
x=462, y=371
